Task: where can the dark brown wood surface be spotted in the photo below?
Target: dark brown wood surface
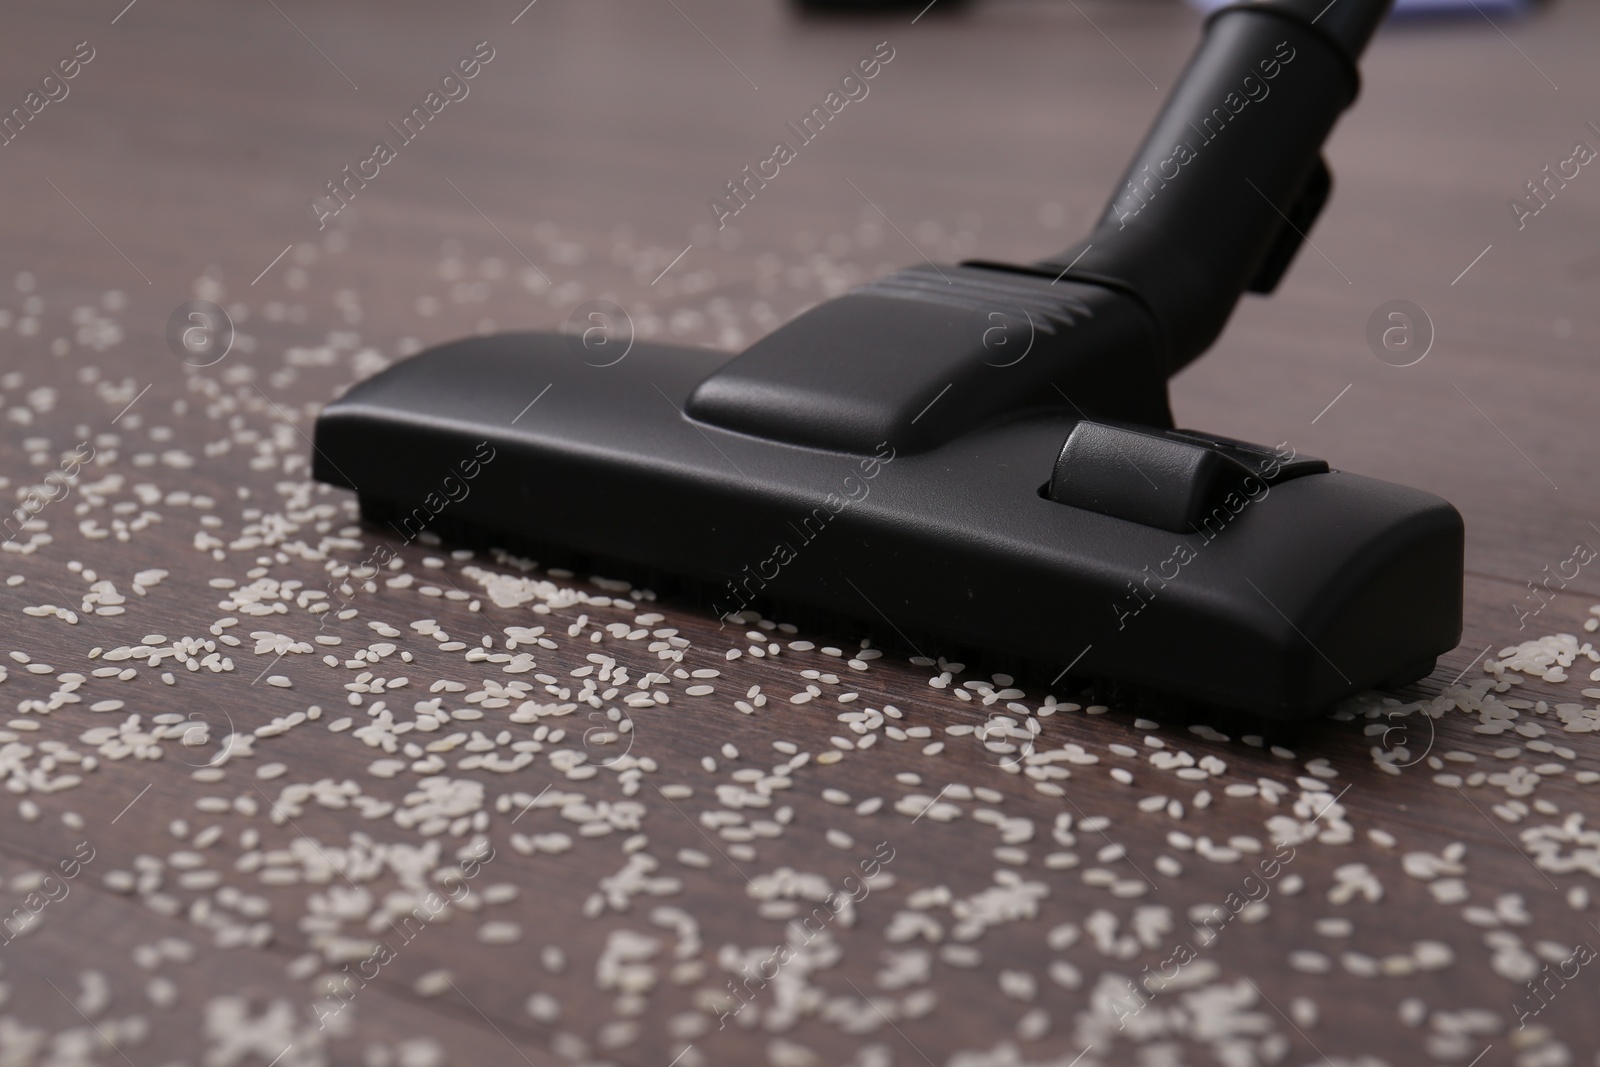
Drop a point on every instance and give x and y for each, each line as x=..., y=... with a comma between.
x=181, y=162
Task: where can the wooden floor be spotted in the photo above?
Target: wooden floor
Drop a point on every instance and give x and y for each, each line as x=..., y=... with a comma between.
x=234, y=857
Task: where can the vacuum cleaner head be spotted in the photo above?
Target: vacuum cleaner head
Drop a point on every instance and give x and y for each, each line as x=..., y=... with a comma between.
x=981, y=453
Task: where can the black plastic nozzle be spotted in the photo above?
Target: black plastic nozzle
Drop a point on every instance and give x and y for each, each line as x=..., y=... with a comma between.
x=982, y=454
